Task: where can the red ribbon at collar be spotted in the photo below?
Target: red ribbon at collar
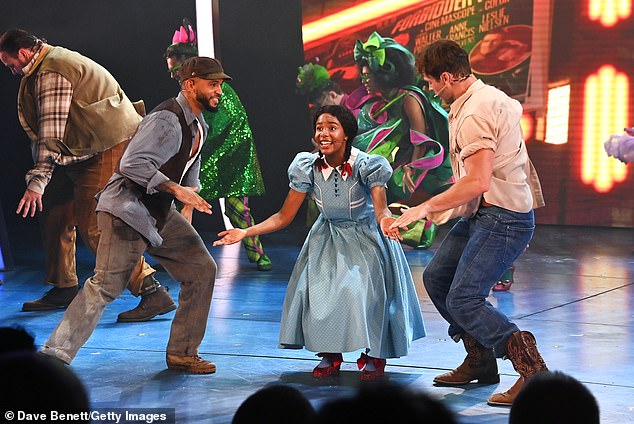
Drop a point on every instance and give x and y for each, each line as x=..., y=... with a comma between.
x=346, y=169
x=321, y=164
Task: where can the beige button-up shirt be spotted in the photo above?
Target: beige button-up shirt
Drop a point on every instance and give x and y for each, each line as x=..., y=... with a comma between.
x=486, y=118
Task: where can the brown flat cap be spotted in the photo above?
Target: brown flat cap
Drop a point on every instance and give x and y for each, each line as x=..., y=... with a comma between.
x=201, y=67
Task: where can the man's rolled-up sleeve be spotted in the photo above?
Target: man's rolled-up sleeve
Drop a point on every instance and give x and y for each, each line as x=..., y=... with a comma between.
x=157, y=139
x=475, y=133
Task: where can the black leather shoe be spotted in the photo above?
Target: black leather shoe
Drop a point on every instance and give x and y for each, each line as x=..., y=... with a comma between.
x=55, y=298
x=151, y=305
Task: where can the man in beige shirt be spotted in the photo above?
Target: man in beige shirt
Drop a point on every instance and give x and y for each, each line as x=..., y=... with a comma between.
x=495, y=193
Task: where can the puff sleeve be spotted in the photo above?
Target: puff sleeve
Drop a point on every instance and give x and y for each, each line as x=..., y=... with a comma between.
x=374, y=170
x=300, y=172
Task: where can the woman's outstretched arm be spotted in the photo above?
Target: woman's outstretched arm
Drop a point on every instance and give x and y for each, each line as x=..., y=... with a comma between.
x=277, y=221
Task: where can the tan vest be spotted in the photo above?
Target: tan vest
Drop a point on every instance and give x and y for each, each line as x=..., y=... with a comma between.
x=100, y=116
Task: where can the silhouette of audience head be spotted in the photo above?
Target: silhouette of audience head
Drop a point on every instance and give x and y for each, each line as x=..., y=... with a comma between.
x=14, y=338
x=554, y=397
x=380, y=402
x=35, y=383
x=276, y=404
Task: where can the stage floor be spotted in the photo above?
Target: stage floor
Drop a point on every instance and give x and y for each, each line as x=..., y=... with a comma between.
x=574, y=290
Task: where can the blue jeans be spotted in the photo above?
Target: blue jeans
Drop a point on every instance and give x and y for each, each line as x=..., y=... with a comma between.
x=471, y=258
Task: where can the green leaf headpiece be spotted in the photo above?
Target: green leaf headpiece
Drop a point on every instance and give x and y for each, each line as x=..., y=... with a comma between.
x=312, y=79
x=373, y=52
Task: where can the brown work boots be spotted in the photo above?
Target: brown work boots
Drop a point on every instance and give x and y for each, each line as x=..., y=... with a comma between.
x=190, y=364
x=521, y=349
x=159, y=302
x=480, y=365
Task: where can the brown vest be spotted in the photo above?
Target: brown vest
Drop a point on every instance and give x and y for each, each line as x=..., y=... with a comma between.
x=159, y=204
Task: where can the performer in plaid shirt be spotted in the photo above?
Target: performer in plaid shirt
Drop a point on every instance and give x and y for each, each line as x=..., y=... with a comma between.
x=79, y=121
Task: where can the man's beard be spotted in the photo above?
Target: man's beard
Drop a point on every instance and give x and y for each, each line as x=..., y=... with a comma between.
x=206, y=105
x=210, y=108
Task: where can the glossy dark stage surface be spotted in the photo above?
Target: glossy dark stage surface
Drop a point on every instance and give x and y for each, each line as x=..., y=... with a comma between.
x=574, y=290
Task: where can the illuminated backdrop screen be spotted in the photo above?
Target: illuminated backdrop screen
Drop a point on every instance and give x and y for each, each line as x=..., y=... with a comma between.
x=558, y=59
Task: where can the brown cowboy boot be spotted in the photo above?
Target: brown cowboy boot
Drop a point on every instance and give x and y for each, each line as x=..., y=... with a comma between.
x=522, y=350
x=480, y=364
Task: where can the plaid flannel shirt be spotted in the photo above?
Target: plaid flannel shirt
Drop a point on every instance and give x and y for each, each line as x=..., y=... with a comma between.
x=53, y=97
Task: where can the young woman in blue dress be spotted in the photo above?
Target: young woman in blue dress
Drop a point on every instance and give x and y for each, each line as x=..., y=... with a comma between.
x=351, y=288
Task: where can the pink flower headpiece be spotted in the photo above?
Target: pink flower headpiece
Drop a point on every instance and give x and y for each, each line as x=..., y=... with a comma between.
x=185, y=34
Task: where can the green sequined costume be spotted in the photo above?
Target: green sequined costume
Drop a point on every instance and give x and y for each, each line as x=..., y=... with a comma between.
x=230, y=167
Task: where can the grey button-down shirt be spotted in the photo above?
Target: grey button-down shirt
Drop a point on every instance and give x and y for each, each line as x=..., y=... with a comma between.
x=156, y=141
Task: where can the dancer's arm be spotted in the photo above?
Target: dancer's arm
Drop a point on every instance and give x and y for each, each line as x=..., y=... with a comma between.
x=479, y=169
x=277, y=221
x=187, y=196
x=416, y=118
x=382, y=212
x=187, y=211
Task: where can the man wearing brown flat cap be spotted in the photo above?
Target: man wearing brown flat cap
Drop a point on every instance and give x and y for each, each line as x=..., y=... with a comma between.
x=136, y=214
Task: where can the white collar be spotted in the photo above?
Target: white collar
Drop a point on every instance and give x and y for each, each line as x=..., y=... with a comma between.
x=328, y=169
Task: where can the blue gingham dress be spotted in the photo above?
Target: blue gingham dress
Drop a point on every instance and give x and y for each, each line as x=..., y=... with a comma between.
x=351, y=287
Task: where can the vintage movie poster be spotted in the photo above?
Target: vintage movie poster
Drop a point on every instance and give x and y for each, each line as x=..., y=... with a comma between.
x=498, y=34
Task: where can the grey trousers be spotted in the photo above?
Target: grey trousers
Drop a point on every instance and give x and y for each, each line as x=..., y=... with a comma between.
x=183, y=254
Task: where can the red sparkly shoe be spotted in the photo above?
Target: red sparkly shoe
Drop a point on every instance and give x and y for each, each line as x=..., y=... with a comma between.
x=506, y=280
x=379, y=365
x=335, y=360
